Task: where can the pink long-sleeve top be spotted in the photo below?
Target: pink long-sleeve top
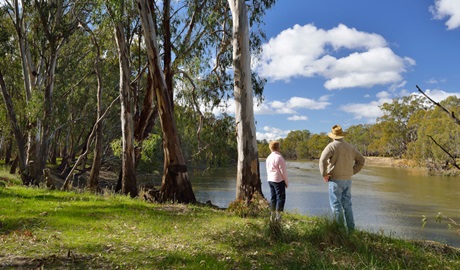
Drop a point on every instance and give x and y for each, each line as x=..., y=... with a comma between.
x=276, y=168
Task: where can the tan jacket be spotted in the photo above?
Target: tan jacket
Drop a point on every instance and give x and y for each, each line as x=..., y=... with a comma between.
x=341, y=160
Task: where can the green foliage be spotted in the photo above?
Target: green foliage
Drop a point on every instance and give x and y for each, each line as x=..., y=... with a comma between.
x=209, y=143
x=360, y=137
x=152, y=154
x=437, y=124
x=264, y=149
x=294, y=146
x=316, y=144
x=117, y=147
x=392, y=129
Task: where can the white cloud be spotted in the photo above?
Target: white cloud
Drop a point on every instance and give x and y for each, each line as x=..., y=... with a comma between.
x=447, y=9
x=271, y=133
x=437, y=95
x=275, y=107
x=290, y=106
x=371, y=111
x=297, y=118
x=368, y=111
x=306, y=51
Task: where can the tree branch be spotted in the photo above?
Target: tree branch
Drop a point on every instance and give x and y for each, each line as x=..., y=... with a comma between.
x=451, y=114
x=66, y=184
x=454, y=162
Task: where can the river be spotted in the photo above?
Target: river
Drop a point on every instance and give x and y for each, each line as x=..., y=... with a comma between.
x=390, y=201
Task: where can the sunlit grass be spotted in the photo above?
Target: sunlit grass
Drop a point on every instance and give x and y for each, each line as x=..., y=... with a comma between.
x=67, y=230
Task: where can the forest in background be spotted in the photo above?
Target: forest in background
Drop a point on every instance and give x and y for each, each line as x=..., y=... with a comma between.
x=74, y=72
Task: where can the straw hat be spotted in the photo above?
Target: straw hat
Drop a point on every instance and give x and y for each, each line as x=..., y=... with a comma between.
x=336, y=132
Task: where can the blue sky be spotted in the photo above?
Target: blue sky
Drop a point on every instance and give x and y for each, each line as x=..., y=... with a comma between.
x=335, y=61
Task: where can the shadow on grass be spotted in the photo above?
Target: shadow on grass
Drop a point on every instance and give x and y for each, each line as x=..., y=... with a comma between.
x=5, y=193
x=20, y=226
x=55, y=261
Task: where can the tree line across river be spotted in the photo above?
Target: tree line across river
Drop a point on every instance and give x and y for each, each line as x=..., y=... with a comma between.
x=410, y=128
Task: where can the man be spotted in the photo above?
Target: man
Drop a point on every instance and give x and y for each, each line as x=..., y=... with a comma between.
x=338, y=162
x=277, y=178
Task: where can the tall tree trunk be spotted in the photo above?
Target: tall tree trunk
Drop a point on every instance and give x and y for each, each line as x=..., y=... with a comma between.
x=42, y=153
x=30, y=77
x=9, y=150
x=248, y=174
x=93, y=181
x=148, y=113
x=16, y=131
x=175, y=186
x=129, y=185
x=167, y=58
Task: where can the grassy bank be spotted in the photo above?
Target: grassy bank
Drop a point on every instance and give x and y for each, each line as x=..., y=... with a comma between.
x=64, y=230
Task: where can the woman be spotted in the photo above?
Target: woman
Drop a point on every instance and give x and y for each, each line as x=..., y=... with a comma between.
x=277, y=178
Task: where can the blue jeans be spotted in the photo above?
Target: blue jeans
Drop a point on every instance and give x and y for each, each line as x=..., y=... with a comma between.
x=278, y=193
x=340, y=200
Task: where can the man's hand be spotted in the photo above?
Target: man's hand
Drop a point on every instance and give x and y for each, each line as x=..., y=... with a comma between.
x=326, y=178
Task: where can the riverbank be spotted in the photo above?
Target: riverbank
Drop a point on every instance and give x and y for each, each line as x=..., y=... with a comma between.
x=43, y=229
x=390, y=162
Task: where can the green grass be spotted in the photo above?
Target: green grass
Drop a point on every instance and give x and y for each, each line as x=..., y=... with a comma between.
x=67, y=230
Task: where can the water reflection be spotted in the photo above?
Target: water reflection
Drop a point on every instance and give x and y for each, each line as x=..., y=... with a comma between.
x=388, y=200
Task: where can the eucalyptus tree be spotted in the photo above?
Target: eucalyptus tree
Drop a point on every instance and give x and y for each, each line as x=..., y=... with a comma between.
x=264, y=149
x=121, y=14
x=12, y=80
x=391, y=131
x=316, y=144
x=187, y=31
x=438, y=143
x=42, y=28
x=91, y=65
x=295, y=144
x=188, y=60
x=248, y=171
x=360, y=136
x=175, y=182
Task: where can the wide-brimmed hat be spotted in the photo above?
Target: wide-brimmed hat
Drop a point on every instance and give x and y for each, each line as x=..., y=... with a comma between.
x=336, y=132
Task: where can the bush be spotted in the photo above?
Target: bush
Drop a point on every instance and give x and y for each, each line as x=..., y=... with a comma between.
x=256, y=207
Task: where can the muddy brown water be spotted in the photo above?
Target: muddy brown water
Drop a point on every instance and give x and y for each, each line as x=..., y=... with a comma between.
x=389, y=201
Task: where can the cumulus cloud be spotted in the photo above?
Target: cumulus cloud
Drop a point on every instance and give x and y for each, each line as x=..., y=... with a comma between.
x=290, y=106
x=344, y=56
x=449, y=9
x=276, y=107
x=271, y=133
x=369, y=112
x=297, y=118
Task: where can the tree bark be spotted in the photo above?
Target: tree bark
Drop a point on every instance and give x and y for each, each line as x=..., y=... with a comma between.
x=176, y=186
x=129, y=185
x=248, y=172
x=26, y=180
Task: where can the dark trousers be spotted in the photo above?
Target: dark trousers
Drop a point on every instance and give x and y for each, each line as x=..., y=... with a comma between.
x=278, y=192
